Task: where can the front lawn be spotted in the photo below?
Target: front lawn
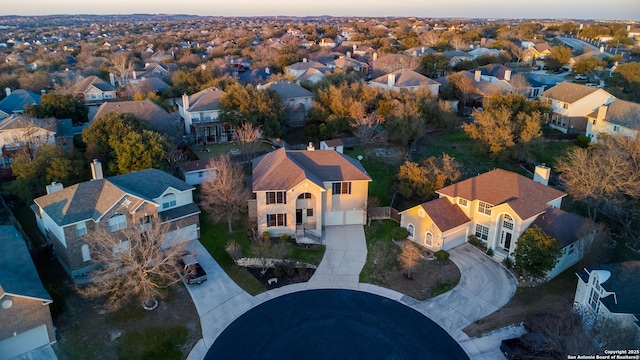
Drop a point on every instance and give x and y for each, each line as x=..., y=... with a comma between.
x=429, y=277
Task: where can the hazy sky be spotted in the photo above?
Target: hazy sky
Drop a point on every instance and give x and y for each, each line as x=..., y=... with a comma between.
x=578, y=9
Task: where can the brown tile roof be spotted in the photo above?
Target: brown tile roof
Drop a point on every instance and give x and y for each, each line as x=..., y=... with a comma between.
x=560, y=225
x=282, y=169
x=569, y=92
x=525, y=196
x=444, y=214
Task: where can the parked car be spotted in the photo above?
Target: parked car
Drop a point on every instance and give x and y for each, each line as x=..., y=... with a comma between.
x=529, y=346
x=191, y=269
x=581, y=77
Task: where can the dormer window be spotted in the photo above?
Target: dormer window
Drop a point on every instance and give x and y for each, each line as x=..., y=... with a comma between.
x=168, y=201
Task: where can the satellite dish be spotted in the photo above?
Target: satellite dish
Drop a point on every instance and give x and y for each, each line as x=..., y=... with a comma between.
x=360, y=157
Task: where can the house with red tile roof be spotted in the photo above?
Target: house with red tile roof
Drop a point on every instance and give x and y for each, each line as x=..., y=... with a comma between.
x=496, y=207
x=298, y=192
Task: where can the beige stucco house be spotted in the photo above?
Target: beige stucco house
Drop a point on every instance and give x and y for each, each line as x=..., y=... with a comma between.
x=298, y=192
x=618, y=117
x=405, y=79
x=496, y=207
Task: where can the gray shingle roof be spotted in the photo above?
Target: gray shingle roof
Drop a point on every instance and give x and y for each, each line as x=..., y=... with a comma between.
x=18, y=275
x=205, y=100
x=561, y=225
x=148, y=184
x=287, y=89
x=158, y=118
x=625, y=282
x=19, y=121
x=406, y=78
x=569, y=92
x=84, y=84
x=622, y=112
x=282, y=169
x=17, y=100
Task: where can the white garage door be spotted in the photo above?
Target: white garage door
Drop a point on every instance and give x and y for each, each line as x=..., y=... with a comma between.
x=455, y=239
x=333, y=218
x=354, y=217
x=24, y=342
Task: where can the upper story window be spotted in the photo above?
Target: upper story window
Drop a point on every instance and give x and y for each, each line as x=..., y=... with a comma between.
x=168, y=201
x=304, y=196
x=341, y=188
x=462, y=202
x=81, y=228
x=117, y=222
x=565, y=105
x=507, y=222
x=276, y=197
x=484, y=208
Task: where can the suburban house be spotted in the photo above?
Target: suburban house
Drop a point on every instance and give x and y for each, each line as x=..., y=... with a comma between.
x=156, y=117
x=502, y=76
x=618, y=117
x=24, y=311
x=198, y=171
x=496, y=207
x=311, y=71
x=19, y=132
x=68, y=216
x=405, y=79
x=571, y=103
x=332, y=144
x=346, y=62
x=610, y=291
x=296, y=100
x=456, y=56
x=199, y=113
x=95, y=90
x=298, y=192
x=15, y=101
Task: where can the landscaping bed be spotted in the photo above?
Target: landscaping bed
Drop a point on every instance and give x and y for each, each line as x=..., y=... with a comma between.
x=284, y=277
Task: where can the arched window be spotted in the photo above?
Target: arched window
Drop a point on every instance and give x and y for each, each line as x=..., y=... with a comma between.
x=507, y=221
x=117, y=222
x=168, y=201
x=411, y=229
x=428, y=238
x=304, y=196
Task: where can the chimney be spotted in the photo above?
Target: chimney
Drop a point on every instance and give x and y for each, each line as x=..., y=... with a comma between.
x=476, y=76
x=135, y=77
x=349, y=54
x=304, y=60
x=204, y=66
x=112, y=80
x=96, y=170
x=542, y=174
x=414, y=53
x=628, y=28
x=391, y=80
x=602, y=49
x=423, y=50
x=7, y=91
x=375, y=56
x=185, y=102
x=54, y=187
x=267, y=70
x=310, y=147
x=355, y=47
x=602, y=112
x=507, y=75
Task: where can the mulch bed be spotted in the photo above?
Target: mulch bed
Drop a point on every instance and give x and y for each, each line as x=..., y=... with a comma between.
x=297, y=276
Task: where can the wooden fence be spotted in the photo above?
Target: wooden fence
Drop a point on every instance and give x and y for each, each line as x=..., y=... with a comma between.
x=383, y=213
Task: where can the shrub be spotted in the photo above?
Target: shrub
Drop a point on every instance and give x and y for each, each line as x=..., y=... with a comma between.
x=507, y=262
x=490, y=251
x=583, y=141
x=285, y=237
x=442, y=255
x=233, y=249
x=266, y=235
x=278, y=270
x=399, y=233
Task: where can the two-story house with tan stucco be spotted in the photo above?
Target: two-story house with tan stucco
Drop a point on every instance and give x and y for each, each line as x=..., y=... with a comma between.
x=405, y=79
x=571, y=103
x=496, y=207
x=69, y=216
x=618, y=117
x=298, y=192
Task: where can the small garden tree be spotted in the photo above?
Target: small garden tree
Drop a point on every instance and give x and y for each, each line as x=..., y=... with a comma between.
x=536, y=252
x=409, y=257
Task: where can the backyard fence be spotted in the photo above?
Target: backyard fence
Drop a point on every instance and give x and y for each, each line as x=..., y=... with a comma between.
x=383, y=213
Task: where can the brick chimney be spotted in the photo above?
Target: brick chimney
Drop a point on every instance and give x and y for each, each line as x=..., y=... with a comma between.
x=96, y=170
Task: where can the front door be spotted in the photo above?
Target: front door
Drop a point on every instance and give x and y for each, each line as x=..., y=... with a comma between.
x=507, y=240
x=298, y=216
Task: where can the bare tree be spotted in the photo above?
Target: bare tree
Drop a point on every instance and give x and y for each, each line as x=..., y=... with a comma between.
x=596, y=246
x=409, y=257
x=365, y=129
x=134, y=263
x=457, y=42
x=224, y=195
x=122, y=67
x=248, y=135
x=464, y=86
x=430, y=38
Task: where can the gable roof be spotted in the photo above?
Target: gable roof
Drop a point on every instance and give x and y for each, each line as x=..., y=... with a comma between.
x=406, y=78
x=622, y=112
x=444, y=214
x=18, y=121
x=310, y=64
x=18, y=275
x=561, y=225
x=569, y=92
x=287, y=89
x=17, y=101
x=525, y=196
x=198, y=165
x=625, y=282
x=205, y=100
x=92, y=81
x=91, y=199
x=145, y=110
x=283, y=169
x=496, y=70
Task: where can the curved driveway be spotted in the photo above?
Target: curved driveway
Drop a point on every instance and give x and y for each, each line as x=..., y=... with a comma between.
x=484, y=287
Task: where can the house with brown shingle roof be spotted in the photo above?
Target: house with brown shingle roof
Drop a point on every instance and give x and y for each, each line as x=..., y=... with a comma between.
x=157, y=118
x=618, y=117
x=405, y=79
x=200, y=112
x=496, y=207
x=571, y=103
x=94, y=90
x=298, y=192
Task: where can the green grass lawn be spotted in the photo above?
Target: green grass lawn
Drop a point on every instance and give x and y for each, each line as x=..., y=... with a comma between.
x=381, y=252
x=220, y=149
x=382, y=172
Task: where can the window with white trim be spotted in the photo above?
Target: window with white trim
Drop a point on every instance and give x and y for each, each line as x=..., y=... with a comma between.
x=276, y=220
x=304, y=196
x=482, y=232
x=168, y=201
x=484, y=208
x=463, y=202
x=341, y=188
x=507, y=222
x=81, y=228
x=117, y=222
x=594, y=296
x=411, y=229
x=428, y=238
x=276, y=197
